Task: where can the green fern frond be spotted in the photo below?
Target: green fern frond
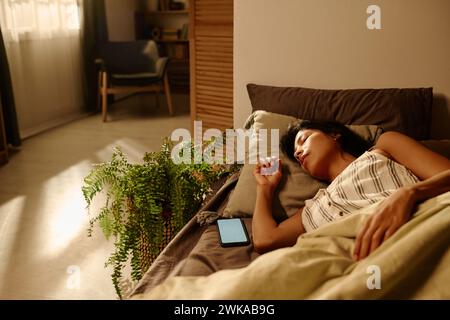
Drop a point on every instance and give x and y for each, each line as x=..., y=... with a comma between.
x=140, y=198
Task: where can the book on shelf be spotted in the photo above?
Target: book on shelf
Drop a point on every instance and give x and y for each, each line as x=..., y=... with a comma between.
x=175, y=5
x=184, y=31
x=171, y=5
x=169, y=34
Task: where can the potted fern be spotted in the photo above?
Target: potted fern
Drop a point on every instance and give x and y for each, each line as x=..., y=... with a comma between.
x=146, y=204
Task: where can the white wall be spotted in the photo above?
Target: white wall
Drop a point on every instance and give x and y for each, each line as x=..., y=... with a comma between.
x=47, y=82
x=120, y=19
x=326, y=44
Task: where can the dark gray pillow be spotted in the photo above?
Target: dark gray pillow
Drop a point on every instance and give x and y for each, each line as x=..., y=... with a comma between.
x=439, y=146
x=404, y=110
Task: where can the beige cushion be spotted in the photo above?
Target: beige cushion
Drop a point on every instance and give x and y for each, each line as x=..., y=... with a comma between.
x=296, y=185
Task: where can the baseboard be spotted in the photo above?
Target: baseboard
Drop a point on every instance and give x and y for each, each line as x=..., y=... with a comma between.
x=28, y=133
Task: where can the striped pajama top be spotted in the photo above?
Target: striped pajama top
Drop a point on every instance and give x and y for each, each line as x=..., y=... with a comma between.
x=368, y=179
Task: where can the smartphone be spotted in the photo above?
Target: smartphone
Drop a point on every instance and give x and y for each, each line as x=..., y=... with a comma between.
x=232, y=232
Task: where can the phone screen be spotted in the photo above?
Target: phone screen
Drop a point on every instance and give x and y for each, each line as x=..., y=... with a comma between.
x=232, y=232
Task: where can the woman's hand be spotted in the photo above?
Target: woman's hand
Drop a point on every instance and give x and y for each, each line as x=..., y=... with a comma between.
x=391, y=214
x=269, y=182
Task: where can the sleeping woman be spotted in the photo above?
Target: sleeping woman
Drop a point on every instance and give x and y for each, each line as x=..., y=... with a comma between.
x=397, y=171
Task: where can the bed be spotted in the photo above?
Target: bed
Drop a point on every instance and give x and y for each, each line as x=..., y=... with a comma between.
x=319, y=266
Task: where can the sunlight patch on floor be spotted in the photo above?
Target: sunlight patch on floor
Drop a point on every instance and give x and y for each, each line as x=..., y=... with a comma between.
x=11, y=213
x=67, y=207
x=134, y=152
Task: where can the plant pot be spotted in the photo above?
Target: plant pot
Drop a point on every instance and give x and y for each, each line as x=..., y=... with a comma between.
x=145, y=245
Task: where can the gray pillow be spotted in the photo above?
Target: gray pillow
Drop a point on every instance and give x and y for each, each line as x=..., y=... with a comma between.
x=407, y=110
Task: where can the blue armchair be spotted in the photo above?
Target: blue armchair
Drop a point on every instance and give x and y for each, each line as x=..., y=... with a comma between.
x=131, y=67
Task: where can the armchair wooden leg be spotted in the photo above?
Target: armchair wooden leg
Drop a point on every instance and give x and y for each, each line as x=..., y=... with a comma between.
x=99, y=91
x=104, y=96
x=157, y=99
x=167, y=92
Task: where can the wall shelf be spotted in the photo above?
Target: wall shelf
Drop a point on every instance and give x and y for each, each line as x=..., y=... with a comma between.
x=168, y=12
x=180, y=60
x=174, y=40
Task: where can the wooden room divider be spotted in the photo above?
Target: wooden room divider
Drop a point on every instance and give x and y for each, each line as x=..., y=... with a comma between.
x=211, y=62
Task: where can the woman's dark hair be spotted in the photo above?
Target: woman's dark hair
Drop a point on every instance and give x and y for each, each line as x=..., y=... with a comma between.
x=349, y=141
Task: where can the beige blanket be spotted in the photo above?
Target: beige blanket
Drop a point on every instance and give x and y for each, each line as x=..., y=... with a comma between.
x=413, y=264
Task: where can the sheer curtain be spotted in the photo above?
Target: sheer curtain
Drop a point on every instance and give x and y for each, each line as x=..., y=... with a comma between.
x=43, y=44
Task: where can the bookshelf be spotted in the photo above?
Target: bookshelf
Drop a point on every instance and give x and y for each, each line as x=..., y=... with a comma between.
x=169, y=29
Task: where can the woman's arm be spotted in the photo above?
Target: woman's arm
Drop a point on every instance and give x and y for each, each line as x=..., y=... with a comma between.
x=396, y=210
x=423, y=162
x=267, y=234
x=431, y=187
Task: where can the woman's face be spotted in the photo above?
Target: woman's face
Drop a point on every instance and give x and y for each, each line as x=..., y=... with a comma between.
x=314, y=151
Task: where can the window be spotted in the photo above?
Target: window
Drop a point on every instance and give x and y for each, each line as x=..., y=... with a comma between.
x=37, y=19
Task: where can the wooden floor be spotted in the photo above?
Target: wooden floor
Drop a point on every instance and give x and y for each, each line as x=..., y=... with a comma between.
x=44, y=248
